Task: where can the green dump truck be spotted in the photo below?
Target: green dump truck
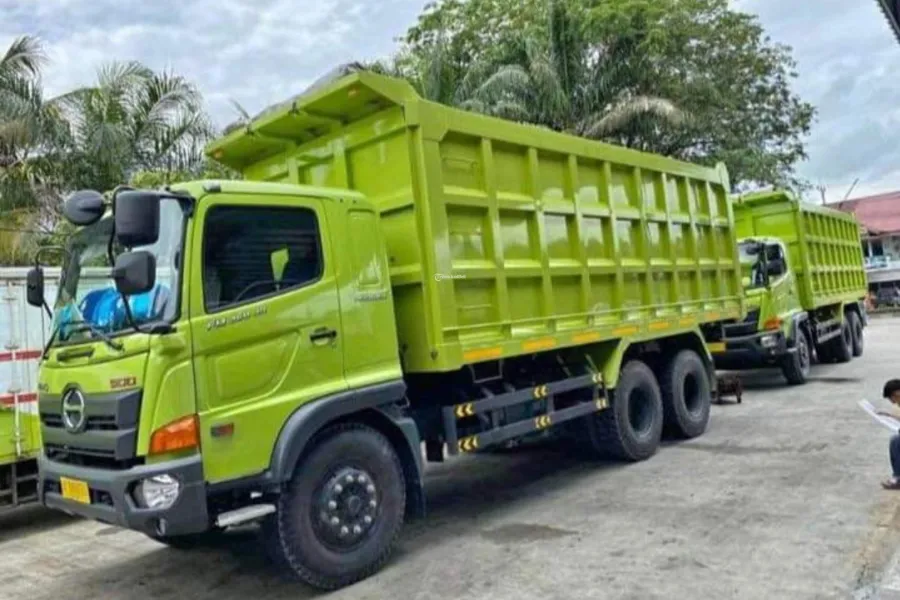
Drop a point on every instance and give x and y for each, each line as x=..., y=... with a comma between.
x=391, y=276
x=804, y=281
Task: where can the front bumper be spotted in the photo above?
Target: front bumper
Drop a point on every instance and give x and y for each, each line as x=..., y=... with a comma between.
x=112, y=502
x=749, y=352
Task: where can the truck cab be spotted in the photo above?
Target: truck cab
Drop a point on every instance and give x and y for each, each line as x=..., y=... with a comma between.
x=766, y=336
x=804, y=283
x=241, y=306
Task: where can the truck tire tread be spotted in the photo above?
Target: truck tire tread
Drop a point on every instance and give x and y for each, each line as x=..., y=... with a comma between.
x=285, y=551
x=679, y=420
x=606, y=430
x=856, y=329
x=842, y=345
x=793, y=367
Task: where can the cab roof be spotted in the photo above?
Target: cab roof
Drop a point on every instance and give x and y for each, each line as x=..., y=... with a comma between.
x=205, y=187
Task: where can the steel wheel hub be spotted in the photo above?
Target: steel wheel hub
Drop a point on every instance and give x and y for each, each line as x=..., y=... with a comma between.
x=346, y=507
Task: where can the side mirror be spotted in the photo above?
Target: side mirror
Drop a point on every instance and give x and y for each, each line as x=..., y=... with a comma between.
x=776, y=268
x=84, y=207
x=137, y=218
x=135, y=273
x=34, y=287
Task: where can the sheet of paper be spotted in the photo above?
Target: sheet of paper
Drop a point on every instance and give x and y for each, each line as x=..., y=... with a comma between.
x=889, y=422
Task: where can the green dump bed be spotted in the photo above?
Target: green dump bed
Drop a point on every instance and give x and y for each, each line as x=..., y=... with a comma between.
x=824, y=249
x=504, y=238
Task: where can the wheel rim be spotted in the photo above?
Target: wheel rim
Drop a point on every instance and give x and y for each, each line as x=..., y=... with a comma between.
x=640, y=412
x=691, y=393
x=345, y=508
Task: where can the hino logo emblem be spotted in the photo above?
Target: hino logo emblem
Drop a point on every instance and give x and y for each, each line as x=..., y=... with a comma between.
x=73, y=411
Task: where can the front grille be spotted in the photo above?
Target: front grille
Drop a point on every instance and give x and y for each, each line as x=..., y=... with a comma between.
x=88, y=457
x=749, y=326
x=108, y=438
x=92, y=424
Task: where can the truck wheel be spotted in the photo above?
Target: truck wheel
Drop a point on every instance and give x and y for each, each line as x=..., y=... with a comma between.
x=796, y=368
x=823, y=353
x=686, y=395
x=842, y=345
x=856, y=329
x=631, y=428
x=338, y=518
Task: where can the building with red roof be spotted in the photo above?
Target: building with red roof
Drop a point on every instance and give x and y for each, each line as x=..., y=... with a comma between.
x=879, y=219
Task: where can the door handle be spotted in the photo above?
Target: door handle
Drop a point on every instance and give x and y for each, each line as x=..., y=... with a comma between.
x=322, y=334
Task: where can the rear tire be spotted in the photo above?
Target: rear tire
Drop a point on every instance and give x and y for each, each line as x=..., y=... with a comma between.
x=686, y=395
x=631, y=428
x=339, y=517
x=796, y=368
x=856, y=329
x=842, y=345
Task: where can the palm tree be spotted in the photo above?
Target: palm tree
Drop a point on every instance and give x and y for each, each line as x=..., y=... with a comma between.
x=569, y=85
x=134, y=119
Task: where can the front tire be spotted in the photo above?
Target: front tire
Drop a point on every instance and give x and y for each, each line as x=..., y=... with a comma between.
x=339, y=517
x=796, y=368
x=686, y=395
x=856, y=329
x=631, y=428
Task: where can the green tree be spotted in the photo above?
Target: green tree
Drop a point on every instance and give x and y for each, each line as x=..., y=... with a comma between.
x=134, y=119
x=616, y=69
x=569, y=86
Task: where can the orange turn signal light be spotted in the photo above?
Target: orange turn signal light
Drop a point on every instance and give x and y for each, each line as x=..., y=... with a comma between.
x=181, y=434
x=773, y=323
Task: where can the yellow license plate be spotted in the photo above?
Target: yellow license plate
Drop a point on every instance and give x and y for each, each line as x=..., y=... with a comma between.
x=716, y=347
x=72, y=489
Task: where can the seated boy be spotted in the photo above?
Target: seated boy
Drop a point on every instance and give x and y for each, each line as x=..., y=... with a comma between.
x=892, y=393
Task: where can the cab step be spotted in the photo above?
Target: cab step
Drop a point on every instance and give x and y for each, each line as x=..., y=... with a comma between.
x=244, y=514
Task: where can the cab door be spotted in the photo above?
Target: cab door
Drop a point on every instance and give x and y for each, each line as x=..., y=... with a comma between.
x=267, y=335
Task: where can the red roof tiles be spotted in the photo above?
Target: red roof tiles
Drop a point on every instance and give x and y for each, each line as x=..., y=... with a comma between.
x=878, y=214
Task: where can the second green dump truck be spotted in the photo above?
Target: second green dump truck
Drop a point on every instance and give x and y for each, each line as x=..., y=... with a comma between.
x=392, y=275
x=804, y=281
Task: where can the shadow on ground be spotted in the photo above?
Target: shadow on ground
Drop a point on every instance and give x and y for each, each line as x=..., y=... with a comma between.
x=29, y=520
x=460, y=495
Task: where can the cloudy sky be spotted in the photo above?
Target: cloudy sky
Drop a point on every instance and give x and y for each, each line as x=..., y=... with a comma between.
x=258, y=51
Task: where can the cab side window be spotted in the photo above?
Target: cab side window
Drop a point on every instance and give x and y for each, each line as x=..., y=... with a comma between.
x=250, y=253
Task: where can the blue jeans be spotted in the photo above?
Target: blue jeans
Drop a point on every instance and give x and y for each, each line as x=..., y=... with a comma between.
x=895, y=455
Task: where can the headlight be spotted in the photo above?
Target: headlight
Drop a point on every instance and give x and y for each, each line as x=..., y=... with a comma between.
x=769, y=341
x=158, y=492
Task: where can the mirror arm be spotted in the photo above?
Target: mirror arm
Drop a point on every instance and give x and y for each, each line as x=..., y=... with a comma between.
x=129, y=315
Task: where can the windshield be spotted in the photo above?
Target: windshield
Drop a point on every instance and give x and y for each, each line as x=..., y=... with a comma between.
x=752, y=271
x=87, y=298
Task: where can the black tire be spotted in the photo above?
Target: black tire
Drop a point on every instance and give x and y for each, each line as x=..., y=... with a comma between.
x=842, y=345
x=303, y=535
x=823, y=353
x=631, y=428
x=686, y=395
x=796, y=367
x=856, y=330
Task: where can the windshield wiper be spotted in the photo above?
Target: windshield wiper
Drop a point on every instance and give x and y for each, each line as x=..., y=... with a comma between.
x=86, y=326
